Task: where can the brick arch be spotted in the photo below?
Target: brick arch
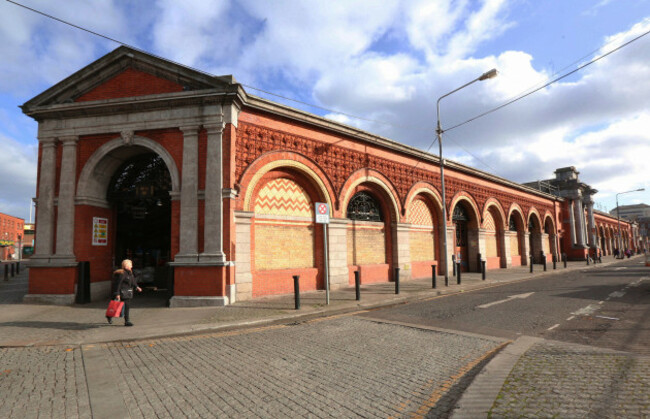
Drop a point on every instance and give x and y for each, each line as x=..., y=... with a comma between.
x=534, y=213
x=284, y=160
x=376, y=179
x=99, y=168
x=465, y=197
x=515, y=208
x=426, y=189
x=549, y=217
x=493, y=203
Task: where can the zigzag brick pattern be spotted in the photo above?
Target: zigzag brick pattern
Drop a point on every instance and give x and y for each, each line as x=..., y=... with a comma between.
x=420, y=214
x=283, y=197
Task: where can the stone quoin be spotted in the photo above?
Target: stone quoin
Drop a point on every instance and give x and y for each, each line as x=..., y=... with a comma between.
x=211, y=192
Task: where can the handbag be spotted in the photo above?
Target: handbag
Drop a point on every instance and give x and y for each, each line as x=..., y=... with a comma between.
x=127, y=294
x=114, y=308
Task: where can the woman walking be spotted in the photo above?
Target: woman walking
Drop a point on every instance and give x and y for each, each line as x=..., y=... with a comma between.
x=126, y=286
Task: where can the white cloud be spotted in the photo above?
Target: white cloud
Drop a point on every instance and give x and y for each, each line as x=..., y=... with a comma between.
x=17, y=177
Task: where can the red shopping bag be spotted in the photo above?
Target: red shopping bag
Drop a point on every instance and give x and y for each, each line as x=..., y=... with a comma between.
x=114, y=308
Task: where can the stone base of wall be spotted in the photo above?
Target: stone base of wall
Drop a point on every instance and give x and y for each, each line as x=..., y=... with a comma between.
x=53, y=299
x=181, y=301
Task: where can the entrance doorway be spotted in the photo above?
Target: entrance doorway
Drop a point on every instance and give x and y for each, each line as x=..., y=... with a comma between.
x=461, y=220
x=139, y=193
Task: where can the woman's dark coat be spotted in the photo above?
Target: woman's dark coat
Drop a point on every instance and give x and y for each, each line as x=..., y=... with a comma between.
x=122, y=281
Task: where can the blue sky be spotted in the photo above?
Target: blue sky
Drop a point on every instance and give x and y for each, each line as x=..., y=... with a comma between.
x=385, y=61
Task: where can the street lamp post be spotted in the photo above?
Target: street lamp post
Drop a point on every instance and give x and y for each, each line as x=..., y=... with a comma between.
x=487, y=75
x=618, y=219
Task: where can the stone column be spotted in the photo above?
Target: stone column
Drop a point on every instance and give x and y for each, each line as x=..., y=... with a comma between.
x=451, y=245
x=525, y=258
x=579, y=214
x=45, y=203
x=593, y=242
x=188, y=246
x=572, y=222
x=337, y=249
x=506, y=249
x=213, y=228
x=65, y=213
x=402, y=250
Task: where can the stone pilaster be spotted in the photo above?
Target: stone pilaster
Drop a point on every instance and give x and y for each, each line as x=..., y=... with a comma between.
x=337, y=250
x=507, y=250
x=188, y=248
x=45, y=204
x=65, y=210
x=572, y=222
x=591, y=222
x=213, y=226
x=402, y=250
x=525, y=258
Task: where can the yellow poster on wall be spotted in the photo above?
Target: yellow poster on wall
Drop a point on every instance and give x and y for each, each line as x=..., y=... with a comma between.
x=100, y=231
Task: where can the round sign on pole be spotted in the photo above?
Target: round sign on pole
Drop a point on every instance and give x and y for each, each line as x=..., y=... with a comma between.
x=322, y=213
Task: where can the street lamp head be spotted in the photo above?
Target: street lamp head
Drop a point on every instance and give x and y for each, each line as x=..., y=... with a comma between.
x=489, y=74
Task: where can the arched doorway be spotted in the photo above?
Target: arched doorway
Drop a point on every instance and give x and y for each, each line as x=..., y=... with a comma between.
x=139, y=194
x=548, y=239
x=461, y=219
x=535, y=238
x=493, y=236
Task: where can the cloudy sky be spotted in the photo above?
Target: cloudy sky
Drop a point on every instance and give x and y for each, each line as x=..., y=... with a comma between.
x=386, y=62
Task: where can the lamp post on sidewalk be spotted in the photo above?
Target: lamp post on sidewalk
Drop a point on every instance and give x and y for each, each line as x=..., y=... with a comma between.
x=487, y=75
x=618, y=218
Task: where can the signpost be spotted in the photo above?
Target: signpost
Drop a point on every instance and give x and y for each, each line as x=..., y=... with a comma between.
x=322, y=211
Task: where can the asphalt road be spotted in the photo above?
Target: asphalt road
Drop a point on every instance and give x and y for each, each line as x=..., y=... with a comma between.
x=607, y=307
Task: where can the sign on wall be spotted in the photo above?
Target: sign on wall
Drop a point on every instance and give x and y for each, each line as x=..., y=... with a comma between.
x=322, y=213
x=100, y=231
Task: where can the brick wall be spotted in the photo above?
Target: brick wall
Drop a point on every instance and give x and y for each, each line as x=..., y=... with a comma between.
x=421, y=244
x=366, y=243
x=283, y=246
x=130, y=83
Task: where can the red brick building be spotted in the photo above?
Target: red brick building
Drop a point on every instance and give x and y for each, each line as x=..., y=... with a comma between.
x=186, y=172
x=11, y=236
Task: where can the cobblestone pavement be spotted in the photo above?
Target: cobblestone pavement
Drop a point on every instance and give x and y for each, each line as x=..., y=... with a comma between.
x=46, y=382
x=341, y=367
x=564, y=380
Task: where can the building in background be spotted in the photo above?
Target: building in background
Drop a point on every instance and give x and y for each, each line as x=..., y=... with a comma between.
x=11, y=236
x=631, y=212
x=28, y=240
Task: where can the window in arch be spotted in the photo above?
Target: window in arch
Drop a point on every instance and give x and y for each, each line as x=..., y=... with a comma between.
x=364, y=207
x=460, y=214
x=531, y=226
x=547, y=228
x=513, y=224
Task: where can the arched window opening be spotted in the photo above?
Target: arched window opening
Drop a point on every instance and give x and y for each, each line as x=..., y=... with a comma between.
x=460, y=214
x=512, y=224
x=364, y=207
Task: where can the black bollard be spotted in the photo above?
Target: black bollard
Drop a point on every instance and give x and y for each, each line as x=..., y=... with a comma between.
x=13, y=269
x=6, y=272
x=18, y=268
x=544, y=262
x=554, y=261
x=296, y=290
x=433, y=276
x=458, y=273
x=357, y=285
x=396, y=280
x=483, y=270
x=587, y=259
x=531, y=264
x=478, y=260
x=564, y=259
x=453, y=263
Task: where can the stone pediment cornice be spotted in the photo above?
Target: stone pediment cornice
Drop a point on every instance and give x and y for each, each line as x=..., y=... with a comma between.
x=62, y=95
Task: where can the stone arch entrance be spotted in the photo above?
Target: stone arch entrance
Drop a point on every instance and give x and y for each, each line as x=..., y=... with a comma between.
x=493, y=230
x=139, y=195
x=535, y=237
x=117, y=179
x=465, y=220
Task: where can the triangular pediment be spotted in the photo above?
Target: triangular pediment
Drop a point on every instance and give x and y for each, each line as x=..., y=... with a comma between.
x=126, y=72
